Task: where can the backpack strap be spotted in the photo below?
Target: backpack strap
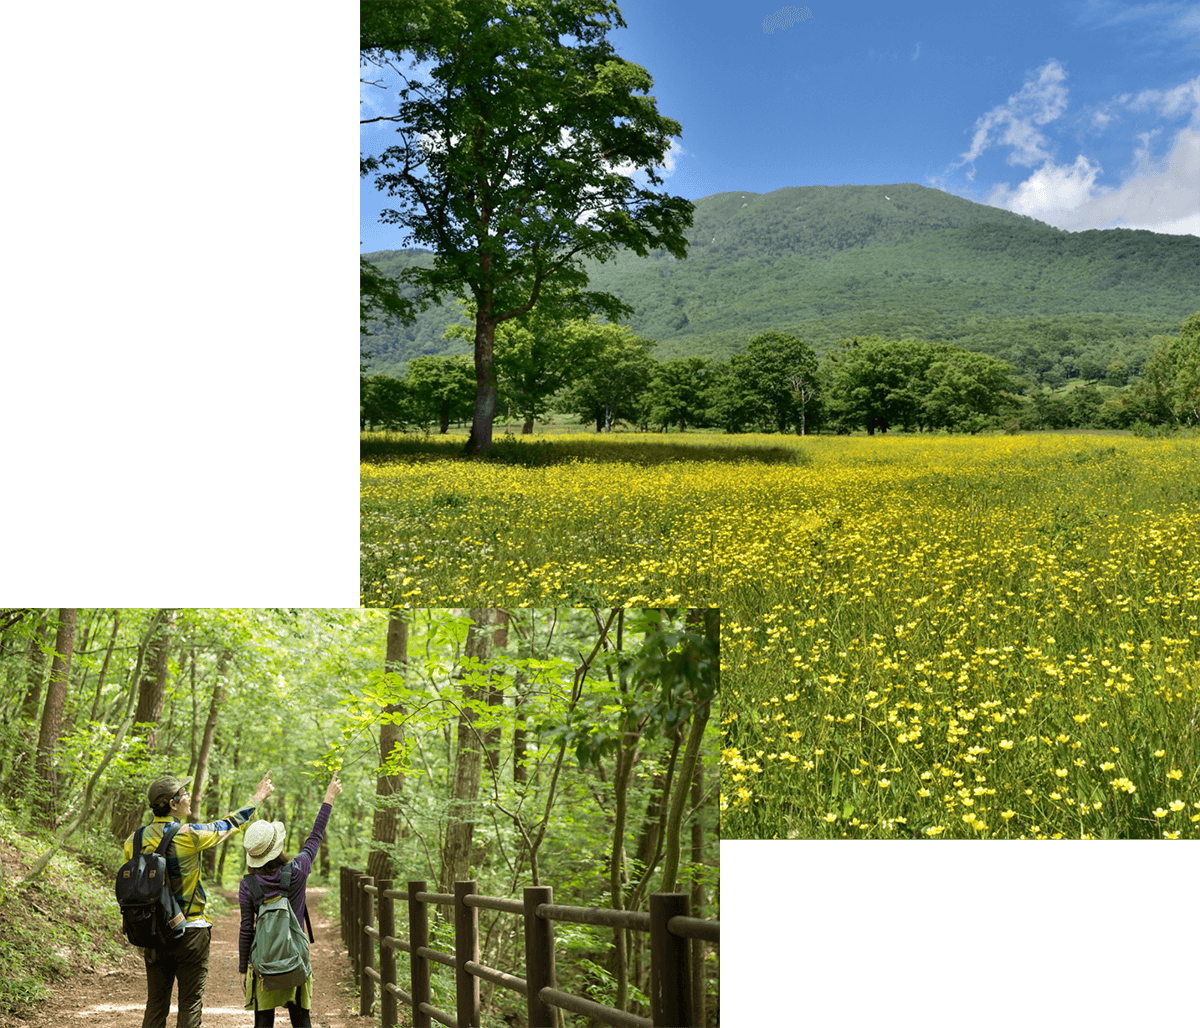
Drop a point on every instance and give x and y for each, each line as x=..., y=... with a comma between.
x=169, y=832
x=255, y=890
x=286, y=878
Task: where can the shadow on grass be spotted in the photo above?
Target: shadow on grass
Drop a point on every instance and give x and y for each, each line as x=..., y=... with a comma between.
x=534, y=453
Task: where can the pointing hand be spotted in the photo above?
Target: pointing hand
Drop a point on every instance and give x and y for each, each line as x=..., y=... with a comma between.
x=265, y=788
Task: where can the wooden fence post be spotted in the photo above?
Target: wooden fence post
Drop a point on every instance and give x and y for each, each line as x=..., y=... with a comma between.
x=387, y=955
x=367, y=944
x=352, y=914
x=539, y=955
x=418, y=936
x=466, y=947
x=670, y=982
x=345, y=909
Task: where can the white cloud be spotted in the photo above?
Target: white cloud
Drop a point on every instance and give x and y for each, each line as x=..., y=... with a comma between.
x=917, y=52
x=1162, y=195
x=1156, y=192
x=1169, y=103
x=1049, y=191
x=1040, y=101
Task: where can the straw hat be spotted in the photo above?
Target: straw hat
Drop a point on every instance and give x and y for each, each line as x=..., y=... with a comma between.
x=263, y=841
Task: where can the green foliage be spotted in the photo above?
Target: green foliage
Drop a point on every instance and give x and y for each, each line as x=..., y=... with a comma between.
x=679, y=392
x=1170, y=388
x=772, y=386
x=882, y=384
x=439, y=390
x=612, y=375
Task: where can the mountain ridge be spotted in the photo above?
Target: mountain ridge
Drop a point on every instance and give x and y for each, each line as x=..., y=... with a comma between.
x=827, y=262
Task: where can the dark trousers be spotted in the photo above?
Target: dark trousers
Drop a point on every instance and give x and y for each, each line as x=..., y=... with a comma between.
x=299, y=1016
x=188, y=962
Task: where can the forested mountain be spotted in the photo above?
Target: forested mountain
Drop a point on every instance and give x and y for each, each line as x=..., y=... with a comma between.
x=827, y=262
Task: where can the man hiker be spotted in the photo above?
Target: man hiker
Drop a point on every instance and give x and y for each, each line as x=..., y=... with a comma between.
x=187, y=960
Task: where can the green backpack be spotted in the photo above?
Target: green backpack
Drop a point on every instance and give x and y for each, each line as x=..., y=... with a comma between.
x=279, y=952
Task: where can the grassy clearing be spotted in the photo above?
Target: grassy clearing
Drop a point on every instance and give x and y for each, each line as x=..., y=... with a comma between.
x=933, y=636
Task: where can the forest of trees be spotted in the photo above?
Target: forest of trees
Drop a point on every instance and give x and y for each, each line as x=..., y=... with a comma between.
x=605, y=375
x=570, y=747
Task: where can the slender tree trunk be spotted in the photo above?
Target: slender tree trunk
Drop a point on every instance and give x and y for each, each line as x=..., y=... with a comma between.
x=60, y=671
x=709, y=619
x=626, y=758
x=496, y=695
x=464, y=791
x=31, y=710
x=210, y=728
x=104, y=667
x=152, y=689
x=84, y=807
x=698, y=978
x=391, y=736
x=220, y=875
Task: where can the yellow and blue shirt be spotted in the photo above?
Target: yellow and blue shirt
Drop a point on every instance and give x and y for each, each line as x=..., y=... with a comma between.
x=183, y=869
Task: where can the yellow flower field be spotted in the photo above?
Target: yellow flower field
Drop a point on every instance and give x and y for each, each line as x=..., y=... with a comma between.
x=922, y=636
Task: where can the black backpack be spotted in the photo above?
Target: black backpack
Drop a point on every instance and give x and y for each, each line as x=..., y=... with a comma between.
x=151, y=914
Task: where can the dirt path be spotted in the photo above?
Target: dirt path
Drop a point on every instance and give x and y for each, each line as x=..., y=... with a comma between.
x=112, y=997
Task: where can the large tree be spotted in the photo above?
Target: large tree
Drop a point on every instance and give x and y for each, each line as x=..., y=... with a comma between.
x=877, y=383
x=535, y=356
x=516, y=159
x=612, y=379
x=780, y=373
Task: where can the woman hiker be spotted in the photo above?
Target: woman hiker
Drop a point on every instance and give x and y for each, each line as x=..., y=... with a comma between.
x=265, y=859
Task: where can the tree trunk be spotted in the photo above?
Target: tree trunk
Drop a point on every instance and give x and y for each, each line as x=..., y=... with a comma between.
x=152, y=689
x=232, y=806
x=60, y=670
x=688, y=765
x=464, y=792
x=480, y=442
x=698, y=977
x=391, y=736
x=210, y=728
x=84, y=807
x=496, y=694
x=31, y=711
x=104, y=667
x=627, y=755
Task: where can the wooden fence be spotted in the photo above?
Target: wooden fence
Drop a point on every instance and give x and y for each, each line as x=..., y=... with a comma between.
x=369, y=918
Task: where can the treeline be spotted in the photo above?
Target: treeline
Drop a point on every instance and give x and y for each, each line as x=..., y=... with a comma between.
x=606, y=376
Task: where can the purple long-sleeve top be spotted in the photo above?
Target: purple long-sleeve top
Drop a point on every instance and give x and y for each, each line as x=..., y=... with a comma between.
x=301, y=865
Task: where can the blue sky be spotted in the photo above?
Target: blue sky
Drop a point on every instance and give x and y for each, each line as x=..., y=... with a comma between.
x=1081, y=114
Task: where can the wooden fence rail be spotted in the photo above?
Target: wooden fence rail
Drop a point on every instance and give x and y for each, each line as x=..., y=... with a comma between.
x=369, y=919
